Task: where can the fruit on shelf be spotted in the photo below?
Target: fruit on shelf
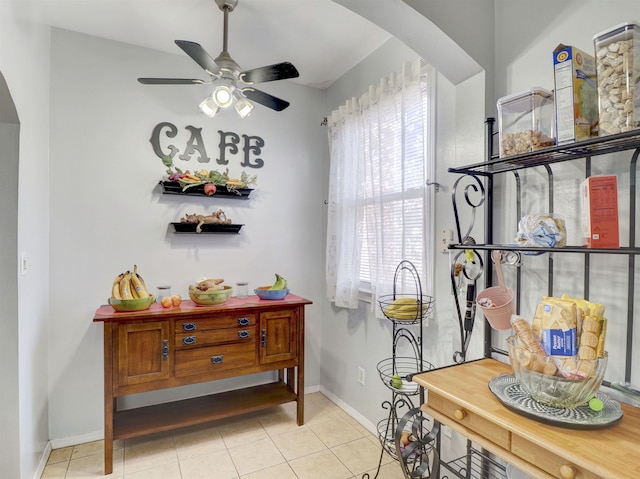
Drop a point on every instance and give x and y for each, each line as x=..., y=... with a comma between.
x=129, y=285
x=209, y=292
x=205, y=177
x=129, y=292
x=405, y=308
x=210, y=189
x=176, y=300
x=281, y=283
x=396, y=381
x=166, y=302
x=207, y=284
x=234, y=183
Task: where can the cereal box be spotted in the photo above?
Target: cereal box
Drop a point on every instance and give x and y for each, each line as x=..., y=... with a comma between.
x=599, y=200
x=576, y=95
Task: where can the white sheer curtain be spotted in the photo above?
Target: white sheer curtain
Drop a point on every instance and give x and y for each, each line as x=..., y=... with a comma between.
x=379, y=202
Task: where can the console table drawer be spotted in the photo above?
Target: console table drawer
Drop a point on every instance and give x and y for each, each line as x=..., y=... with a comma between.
x=218, y=322
x=549, y=462
x=184, y=340
x=488, y=429
x=215, y=358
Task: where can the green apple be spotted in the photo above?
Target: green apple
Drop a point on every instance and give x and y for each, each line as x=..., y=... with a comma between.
x=396, y=381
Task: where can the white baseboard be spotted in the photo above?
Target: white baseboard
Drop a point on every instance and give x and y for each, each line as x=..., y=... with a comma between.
x=371, y=427
x=312, y=389
x=76, y=440
x=43, y=461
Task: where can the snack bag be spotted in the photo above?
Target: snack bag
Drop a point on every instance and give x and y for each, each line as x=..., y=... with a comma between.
x=594, y=309
x=532, y=355
x=546, y=230
x=559, y=327
x=591, y=342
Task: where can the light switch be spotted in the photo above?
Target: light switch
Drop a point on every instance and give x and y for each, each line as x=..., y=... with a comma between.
x=23, y=263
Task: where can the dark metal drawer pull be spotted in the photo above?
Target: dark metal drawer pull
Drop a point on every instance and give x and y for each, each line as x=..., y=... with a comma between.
x=188, y=326
x=263, y=338
x=217, y=359
x=189, y=340
x=243, y=333
x=243, y=321
x=165, y=349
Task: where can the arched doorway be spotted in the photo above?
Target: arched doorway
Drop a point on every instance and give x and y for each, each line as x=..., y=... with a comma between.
x=9, y=401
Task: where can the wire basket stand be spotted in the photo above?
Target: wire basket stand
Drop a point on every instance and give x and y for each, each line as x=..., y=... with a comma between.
x=405, y=434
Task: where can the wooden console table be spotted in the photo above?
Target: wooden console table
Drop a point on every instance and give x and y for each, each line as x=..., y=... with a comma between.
x=164, y=348
x=459, y=397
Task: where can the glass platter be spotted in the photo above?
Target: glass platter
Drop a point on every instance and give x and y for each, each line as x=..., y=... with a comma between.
x=509, y=392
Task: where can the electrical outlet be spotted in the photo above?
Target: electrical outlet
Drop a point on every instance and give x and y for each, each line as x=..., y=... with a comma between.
x=446, y=430
x=446, y=237
x=361, y=375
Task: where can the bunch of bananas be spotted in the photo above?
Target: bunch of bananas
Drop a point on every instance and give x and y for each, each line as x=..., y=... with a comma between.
x=281, y=283
x=405, y=308
x=129, y=285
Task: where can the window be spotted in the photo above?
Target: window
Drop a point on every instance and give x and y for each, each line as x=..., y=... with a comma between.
x=379, y=202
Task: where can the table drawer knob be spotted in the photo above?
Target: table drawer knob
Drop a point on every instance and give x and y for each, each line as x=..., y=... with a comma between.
x=460, y=414
x=567, y=471
x=243, y=321
x=217, y=359
x=244, y=334
x=189, y=340
x=188, y=326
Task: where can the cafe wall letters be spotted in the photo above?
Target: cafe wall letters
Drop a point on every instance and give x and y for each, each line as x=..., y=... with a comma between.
x=229, y=144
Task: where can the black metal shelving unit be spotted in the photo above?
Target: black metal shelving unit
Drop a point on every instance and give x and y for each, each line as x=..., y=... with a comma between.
x=474, y=189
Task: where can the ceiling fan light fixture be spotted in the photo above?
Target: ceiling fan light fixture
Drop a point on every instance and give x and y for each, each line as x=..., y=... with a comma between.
x=208, y=106
x=225, y=75
x=223, y=95
x=243, y=107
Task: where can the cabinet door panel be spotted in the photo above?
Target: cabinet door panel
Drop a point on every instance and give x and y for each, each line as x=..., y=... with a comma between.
x=142, y=353
x=278, y=336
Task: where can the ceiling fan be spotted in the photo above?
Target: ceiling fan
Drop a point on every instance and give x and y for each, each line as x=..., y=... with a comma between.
x=227, y=76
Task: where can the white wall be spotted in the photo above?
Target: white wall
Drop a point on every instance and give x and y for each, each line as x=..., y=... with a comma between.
x=24, y=63
x=107, y=212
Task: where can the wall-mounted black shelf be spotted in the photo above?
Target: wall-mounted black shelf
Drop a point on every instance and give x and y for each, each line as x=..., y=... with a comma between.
x=174, y=188
x=190, y=228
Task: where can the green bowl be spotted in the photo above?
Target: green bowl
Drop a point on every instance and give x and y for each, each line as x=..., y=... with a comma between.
x=139, y=304
x=209, y=297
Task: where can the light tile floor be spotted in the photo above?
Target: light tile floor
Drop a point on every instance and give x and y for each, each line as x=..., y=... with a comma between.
x=265, y=445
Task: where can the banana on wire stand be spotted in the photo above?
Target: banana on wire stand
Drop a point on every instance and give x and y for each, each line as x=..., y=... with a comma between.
x=129, y=285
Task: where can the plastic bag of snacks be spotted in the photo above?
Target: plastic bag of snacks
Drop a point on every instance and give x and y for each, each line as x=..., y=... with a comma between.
x=546, y=230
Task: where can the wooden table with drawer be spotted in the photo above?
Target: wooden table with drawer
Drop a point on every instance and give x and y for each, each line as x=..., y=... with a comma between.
x=164, y=348
x=459, y=397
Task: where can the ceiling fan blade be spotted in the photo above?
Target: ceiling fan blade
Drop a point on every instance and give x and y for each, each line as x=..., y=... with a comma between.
x=265, y=99
x=171, y=81
x=278, y=71
x=199, y=55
